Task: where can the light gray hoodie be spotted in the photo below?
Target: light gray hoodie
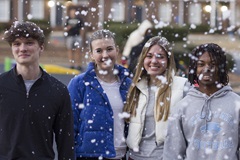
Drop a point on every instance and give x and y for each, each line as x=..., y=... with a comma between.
x=204, y=127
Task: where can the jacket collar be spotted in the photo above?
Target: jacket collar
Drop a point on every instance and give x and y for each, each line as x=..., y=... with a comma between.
x=142, y=85
x=18, y=77
x=122, y=72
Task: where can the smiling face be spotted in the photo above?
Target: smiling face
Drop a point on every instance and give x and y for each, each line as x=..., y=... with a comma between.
x=156, y=61
x=104, y=53
x=207, y=71
x=26, y=51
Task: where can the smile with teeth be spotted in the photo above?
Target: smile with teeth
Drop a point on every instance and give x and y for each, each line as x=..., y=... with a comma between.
x=205, y=77
x=154, y=67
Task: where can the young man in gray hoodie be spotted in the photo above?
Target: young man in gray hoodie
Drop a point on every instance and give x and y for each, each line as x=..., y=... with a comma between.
x=205, y=124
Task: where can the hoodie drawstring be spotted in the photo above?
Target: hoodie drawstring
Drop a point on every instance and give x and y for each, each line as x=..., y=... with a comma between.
x=206, y=112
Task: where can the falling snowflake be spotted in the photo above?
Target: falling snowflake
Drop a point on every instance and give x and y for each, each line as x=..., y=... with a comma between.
x=93, y=140
x=81, y=106
x=135, y=149
x=200, y=76
x=123, y=115
x=208, y=151
x=90, y=121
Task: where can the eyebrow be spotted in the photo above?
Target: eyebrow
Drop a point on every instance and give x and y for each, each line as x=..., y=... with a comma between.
x=110, y=47
x=212, y=60
x=204, y=61
x=106, y=47
x=156, y=53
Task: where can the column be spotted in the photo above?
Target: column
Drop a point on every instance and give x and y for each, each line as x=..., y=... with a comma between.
x=213, y=14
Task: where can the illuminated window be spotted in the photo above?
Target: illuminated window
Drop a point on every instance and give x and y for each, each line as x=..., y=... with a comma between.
x=37, y=9
x=195, y=14
x=117, y=11
x=165, y=12
x=5, y=11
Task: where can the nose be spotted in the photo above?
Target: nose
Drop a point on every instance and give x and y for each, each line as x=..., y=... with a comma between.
x=208, y=68
x=105, y=53
x=22, y=47
x=154, y=59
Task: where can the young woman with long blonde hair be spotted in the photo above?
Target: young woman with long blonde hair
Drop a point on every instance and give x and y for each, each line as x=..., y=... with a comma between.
x=154, y=90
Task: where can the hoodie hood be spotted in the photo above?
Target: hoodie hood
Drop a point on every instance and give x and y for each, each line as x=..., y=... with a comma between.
x=136, y=37
x=146, y=24
x=196, y=93
x=206, y=112
x=120, y=71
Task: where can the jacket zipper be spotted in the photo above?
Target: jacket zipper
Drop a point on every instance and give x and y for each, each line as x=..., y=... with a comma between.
x=27, y=94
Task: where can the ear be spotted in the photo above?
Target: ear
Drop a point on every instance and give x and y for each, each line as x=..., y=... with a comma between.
x=41, y=48
x=91, y=56
x=117, y=50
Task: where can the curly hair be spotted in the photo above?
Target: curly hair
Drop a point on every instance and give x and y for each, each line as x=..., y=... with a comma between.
x=26, y=30
x=217, y=54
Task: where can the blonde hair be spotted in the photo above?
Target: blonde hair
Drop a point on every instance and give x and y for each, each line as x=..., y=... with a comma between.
x=101, y=34
x=164, y=93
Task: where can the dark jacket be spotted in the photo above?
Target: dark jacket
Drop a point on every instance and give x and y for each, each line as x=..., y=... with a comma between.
x=76, y=24
x=28, y=121
x=93, y=115
x=135, y=53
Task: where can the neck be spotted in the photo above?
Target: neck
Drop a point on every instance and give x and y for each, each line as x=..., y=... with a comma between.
x=208, y=90
x=153, y=81
x=109, y=77
x=29, y=72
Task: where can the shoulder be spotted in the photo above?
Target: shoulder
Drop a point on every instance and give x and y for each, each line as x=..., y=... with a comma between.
x=142, y=84
x=179, y=79
x=122, y=71
x=121, y=68
x=4, y=75
x=5, y=78
x=78, y=79
x=181, y=105
x=53, y=81
x=53, y=87
x=234, y=95
x=87, y=75
x=228, y=93
x=179, y=82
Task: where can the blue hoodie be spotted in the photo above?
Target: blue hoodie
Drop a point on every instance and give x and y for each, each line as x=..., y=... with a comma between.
x=204, y=127
x=93, y=115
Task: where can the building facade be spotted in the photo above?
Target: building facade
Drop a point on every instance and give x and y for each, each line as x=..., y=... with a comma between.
x=96, y=12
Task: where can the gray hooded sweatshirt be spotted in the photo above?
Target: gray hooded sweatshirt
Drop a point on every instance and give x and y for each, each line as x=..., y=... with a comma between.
x=204, y=127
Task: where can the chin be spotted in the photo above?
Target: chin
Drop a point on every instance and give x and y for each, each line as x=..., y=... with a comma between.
x=106, y=67
x=155, y=74
x=208, y=83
